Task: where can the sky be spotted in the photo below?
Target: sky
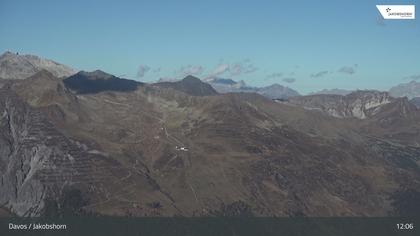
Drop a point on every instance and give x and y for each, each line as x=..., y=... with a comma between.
x=305, y=45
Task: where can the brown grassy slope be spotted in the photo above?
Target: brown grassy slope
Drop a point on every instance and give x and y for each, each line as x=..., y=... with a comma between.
x=275, y=158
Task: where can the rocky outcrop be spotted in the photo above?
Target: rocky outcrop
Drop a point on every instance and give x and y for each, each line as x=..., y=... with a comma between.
x=22, y=154
x=359, y=104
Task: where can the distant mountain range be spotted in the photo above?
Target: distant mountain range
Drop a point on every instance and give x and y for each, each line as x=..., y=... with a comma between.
x=333, y=92
x=96, y=144
x=274, y=91
x=16, y=66
x=409, y=90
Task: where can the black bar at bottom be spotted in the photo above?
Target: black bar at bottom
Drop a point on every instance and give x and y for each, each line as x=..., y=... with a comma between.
x=261, y=226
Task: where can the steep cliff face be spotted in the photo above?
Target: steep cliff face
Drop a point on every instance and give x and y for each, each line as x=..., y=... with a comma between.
x=41, y=168
x=38, y=163
x=359, y=104
x=21, y=156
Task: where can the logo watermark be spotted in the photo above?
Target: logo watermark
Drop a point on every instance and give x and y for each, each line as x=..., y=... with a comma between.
x=397, y=12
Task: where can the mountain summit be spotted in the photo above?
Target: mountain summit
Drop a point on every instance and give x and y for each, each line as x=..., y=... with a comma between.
x=97, y=81
x=15, y=66
x=190, y=85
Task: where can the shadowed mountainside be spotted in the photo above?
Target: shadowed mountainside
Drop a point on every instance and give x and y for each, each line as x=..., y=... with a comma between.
x=99, y=81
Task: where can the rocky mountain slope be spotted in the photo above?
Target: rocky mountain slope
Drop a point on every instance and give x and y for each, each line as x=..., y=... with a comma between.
x=15, y=66
x=156, y=150
x=359, y=104
x=165, y=150
x=42, y=167
x=376, y=112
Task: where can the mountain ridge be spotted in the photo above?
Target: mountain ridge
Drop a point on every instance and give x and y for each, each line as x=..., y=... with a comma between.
x=177, y=150
x=274, y=91
x=409, y=90
x=16, y=66
x=99, y=81
x=359, y=104
x=190, y=85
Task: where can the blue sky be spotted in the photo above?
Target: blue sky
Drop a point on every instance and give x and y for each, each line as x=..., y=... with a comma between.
x=306, y=45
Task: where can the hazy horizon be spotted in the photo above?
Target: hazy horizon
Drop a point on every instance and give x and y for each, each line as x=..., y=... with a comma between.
x=304, y=46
